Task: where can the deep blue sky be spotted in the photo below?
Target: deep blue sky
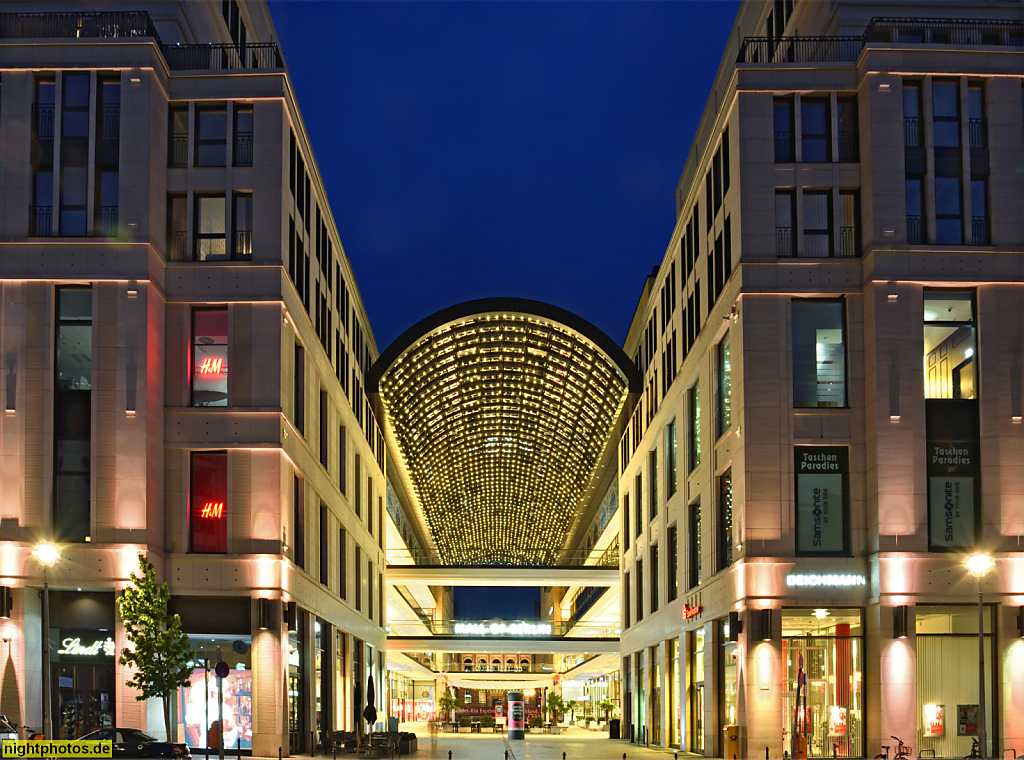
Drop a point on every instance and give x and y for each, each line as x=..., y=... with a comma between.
x=527, y=149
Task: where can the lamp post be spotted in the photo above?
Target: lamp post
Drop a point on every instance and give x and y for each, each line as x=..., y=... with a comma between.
x=47, y=554
x=978, y=565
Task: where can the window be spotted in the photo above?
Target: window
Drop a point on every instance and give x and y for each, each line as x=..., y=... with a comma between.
x=343, y=563
x=369, y=590
x=654, y=579
x=359, y=578
x=210, y=357
x=694, y=575
x=822, y=496
x=358, y=496
x=106, y=203
x=299, y=521
x=75, y=110
x=43, y=114
x=177, y=227
x=638, y=491
x=652, y=483
x=915, y=210
x=325, y=546
x=177, y=136
x=817, y=223
x=948, y=211
x=325, y=413
x=72, y=426
x=913, y=135
x=723, y=407
x=672, y=566
x=976, y=129
x=211, y=136
x=670, y=456
x=243, y=136
x=208, y=526
x=342, y=459
x=73, y=199
x=626, y=609
x=299, y=390
x=41, y=221
x=849, y=233
x=369, y=505
x=784, y=143
x=785, y=223
x=946, y=114
x=639, y=574
x=693, y=433
x=979, y=211
x=819, y=354
x=815, y=139
x=725, y=537
x=950, y=352
x=625, y=522
x=847, y=127
x=211, y=241
x=242, y=216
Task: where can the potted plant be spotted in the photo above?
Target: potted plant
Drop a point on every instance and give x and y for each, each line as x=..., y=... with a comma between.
x=535, y=721
x=555, y=706
x=447, y=703
x=487, y=721
x=465, y=722
x=571, y=707
x=607, y=706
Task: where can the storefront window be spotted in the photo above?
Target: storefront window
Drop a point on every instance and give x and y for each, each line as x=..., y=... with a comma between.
x=83, y=699
x=340, y=702
x=950, y=353
x=198, y=702
x=655, y=689
x=318, y=683
x=695, y=691
x=819, y=354
x=727, y=679
x=823, y=655
x=208, y=526
x=673, y=692
x=947, y=679
x=641, y=694
x=210, y=357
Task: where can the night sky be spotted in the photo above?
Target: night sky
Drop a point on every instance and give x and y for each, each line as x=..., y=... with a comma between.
x=527, y=148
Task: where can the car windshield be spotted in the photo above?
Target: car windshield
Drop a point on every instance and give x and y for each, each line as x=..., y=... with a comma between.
x=6, y=727
x=133, y=735
x=95, y=736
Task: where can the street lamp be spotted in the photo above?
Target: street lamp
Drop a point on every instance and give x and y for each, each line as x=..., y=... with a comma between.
x=47, y=554
x=978, y=565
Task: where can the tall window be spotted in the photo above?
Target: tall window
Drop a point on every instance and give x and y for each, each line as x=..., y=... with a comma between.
x=342, y=459
x=177, y=136
x=177, y=227
x=625, y=522
x=325, y=546
x=847, y=127
x=723, y=407
x=359, y=578
x=242, y=227
x=343, y=563
x=784, y=143
x=946, y=114
x=849, y=234
x=915, y=210
x=950, y=353
x=785, y=223
x=107, y=202
x=325, y=413
x=211, y=136
x=817, y=223
x=358, y=496
x=670, y=458
x=299, y=521
x=672, y=564
x=211, y=238
x=638, y=492
x=243, y=136
x=652, y=482
x=819, y=354
x=976, y=128
x=815, y=137
x=74, y=155
x=913, y=135
x=654, y=578
x=299, y=390
x=627, y=611
x=639, y=574
x=210, y=357
x=694, y=574
x=979, y=211
x=208, y=526
x=948, y=211
x=693, y=427
x=725, y=537
x=72, y=426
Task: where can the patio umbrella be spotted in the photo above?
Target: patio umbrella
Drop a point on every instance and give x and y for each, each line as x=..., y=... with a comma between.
x=358, y=702
x=370, y=712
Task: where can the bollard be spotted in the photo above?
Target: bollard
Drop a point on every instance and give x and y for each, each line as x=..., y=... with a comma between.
x=239, y=748
x=506, y=754
x=449, y=755
x=563, y=756
x=733, y=756
x=835, y=751
x=766, y=754
x=278, y=753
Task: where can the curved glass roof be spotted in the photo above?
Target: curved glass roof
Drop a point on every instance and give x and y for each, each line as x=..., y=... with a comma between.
x=502, y=410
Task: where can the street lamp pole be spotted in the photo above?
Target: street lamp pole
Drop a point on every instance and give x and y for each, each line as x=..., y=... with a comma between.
x=47, y=554
x=978, y=565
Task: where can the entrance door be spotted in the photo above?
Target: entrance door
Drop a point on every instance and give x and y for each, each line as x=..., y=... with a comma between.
x=655, y=712
x=84, y=699
x=697, y=720
x=294, y=701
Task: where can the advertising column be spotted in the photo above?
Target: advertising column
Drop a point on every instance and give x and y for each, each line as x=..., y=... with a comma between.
x=516, y=715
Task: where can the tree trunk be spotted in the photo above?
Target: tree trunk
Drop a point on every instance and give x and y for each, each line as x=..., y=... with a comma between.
x=167, y=717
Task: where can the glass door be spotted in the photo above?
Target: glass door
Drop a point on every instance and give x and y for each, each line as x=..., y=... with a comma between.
x=84, y=699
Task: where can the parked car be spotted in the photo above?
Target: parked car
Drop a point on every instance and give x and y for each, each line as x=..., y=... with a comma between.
x=132, y=743
x=7, y=729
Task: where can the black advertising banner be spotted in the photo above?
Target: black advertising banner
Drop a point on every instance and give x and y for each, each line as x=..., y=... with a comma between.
x=822, y=475
x=953, y=467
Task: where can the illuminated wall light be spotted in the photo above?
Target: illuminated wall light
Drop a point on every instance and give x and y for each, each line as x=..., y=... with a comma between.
x=6, y=602
x=263, y=613
x=1020, y=621
x=901, y=622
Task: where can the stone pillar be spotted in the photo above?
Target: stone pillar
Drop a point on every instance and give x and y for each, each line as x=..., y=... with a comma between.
x=269, y=676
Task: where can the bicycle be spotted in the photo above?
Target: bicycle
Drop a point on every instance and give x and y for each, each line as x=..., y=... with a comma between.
x=975, y=752
x=903, y=751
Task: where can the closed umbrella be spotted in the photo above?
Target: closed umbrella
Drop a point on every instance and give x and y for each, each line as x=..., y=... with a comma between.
x=358, y=702
x=370, y=712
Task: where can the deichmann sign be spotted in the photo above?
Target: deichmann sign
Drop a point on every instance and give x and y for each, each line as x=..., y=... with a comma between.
x=822, y=474
x=503, y=629
x=952, y=429
x=830, y=580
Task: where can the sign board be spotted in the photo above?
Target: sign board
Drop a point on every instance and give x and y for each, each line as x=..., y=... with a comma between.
x=966, y=720
x=822, y=474
x=837, y=725
x=934, y=720
x=953, y=470
x=222, y=669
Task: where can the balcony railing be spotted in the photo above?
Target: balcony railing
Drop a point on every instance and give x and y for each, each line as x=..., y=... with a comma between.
x=949, y=31
x=848, y=242
x=110, y=123
x=915, y=231
x=912, y=131
x=243, y=149
x=979, y=229
x=784, y=147
x=800, y=49
x=42, y=122
x=256, y=55
x=243, y=246
x=177, y=245
x=106, y=224
x=785, y=242
x=40, y=221
x=848, y=148
x=177, y=152
x=116, y=24
x=976, y=133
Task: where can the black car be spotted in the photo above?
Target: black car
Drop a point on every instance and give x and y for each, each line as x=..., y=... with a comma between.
x=130, y=742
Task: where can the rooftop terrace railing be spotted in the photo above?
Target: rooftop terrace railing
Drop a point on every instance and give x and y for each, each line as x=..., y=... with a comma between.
x=847, y=49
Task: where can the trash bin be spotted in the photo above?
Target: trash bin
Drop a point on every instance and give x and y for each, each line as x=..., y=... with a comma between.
x=730, y=742
x=614, y=728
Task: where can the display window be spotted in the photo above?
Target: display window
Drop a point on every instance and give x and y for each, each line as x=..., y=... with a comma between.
x=727, y=681
x=208, y=524
x=210, y=357
x=695, y=689
x=823, y=706
x=200, y=703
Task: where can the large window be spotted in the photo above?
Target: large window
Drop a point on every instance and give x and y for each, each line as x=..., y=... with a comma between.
x=210, y=357
x=211, y=136
x=652, y=483
x=639, y=575
x=208, y=526
x=672, y=564
x=819, y=354
x=693, y=428
x=817, y=223
x=694, y=575
x=847, y=124
x=670, y=457
x=815, y=138
x=725, y=520
x=822, y=500
x=976, y=117
x=946, y=114
x=242, y=227
x=243, y=136
x=627, y=611
x=949, y=218
x=913, y=135
x=785, y=223
x=950, y=353
x=210, y=228
x=638, y=508
x=723, y=397
x=177, y=136
x=783, y=118
x=849, y=233
x=979, y=211
x=625, y=522
x=915, y=210
x=655, y=569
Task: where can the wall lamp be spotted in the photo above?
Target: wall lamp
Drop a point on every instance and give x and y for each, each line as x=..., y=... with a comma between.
x=263, y=613
x=1020, y=621
x=291, y=615
x=735, y=627
x=764, y=624
x=900, y=622
x=6, y=602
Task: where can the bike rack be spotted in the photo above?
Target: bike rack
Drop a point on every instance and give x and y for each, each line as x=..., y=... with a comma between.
x=921, y=753
x=1011, y=750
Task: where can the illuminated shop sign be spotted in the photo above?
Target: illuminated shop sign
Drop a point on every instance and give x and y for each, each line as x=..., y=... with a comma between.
x=209, y=525
x=503, y=629
x=954, y=469
x=831, y=580
x=821, y=499
x=690, y=611
x=74, y=646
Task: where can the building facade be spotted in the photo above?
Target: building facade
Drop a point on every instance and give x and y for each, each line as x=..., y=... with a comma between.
x=831, y=419
x=184, y=348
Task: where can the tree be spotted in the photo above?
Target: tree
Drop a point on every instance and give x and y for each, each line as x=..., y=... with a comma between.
x=571, y=707
x=157, y=649
x=555, y=706
x=607, y=706
x=447, y=702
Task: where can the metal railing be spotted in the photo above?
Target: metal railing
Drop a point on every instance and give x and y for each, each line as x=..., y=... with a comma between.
x=255, y=55
x=911, y=131
x=848, y=242
x=583, y=600
x=110, y=123
x=106, y=224
x=243, y=245
x=545, y=557
x=91, y=25
x=785, y=242
x=976, y=133
x=915, y=230
x=177, y=245
x=177, y=151
x=800, y=49
x=40, y=221
x=848, y=148
x=42, y=122
x=784, y=147
x=243, y=149
x=979, y=230
x=945, y=31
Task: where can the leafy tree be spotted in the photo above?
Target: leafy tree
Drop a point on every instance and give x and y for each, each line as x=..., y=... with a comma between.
x=555, y=706
x=571, y=707
x=447, y=702
x=157, y=649
x=607, y=706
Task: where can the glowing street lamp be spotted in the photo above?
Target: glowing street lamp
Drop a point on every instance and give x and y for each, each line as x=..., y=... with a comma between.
x=978, y=565
x=47, y=554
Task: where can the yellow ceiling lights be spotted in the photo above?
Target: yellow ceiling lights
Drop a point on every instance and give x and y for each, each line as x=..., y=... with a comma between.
x=501, y=409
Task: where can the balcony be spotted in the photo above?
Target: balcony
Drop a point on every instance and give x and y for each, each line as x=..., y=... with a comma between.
x=848, y=242
x=784, y=147
x=979, y=230
x=912, y=132
x=785, y=242
x=915, y=232
x=800, y=49
x=243, y=149
x=110, y=124
x=848, y=148
x=40, y=221
x=976, y=133
x=42, y=122
x=256, y=55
